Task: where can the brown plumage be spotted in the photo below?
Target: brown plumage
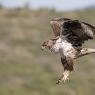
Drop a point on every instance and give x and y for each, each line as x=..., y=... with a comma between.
x=69, y=35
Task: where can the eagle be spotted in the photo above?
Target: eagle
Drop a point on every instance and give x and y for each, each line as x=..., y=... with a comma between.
x=69, y=36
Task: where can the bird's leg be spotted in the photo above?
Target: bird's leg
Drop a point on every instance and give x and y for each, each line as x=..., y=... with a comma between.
x=64, y=77
x=86, y=51
x=68, y=67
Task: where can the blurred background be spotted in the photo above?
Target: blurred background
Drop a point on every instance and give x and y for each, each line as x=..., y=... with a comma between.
x=24, y=68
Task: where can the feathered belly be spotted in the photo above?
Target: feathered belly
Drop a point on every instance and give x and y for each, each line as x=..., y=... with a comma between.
x=64, y=48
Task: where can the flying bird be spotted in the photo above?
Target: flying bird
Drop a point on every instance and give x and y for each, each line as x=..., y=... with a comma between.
x=69, y=36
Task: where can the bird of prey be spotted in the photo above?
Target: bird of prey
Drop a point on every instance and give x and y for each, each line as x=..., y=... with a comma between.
x=69, y=36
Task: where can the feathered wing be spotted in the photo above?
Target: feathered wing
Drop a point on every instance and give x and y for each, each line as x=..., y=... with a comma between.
x=56, y=25
x=77, y=32
x=85, y=31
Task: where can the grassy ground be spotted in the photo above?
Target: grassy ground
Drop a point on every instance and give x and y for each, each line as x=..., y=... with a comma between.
x=25, y=69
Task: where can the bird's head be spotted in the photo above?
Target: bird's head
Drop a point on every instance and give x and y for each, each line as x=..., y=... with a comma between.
x=48, y=44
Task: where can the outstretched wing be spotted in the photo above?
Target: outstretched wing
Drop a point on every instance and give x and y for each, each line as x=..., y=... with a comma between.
x=77, y=32
x=80, y=29
x=56, y=25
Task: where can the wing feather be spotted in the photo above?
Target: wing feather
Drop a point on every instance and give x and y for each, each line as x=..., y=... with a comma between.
x=89, y=29
x=85, y=32
x=56, y=24
x=78, y=31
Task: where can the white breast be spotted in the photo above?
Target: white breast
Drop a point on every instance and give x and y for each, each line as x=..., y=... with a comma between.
x=65, y=47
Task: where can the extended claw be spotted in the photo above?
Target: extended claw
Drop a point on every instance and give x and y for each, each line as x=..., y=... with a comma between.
x=63, y=80
x=58, y=82
x=64, y=77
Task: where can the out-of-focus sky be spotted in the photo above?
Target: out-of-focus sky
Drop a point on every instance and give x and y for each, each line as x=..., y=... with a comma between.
x=57, y=4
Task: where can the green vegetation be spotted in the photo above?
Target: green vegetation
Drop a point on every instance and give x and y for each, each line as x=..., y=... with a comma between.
x=25, y=69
